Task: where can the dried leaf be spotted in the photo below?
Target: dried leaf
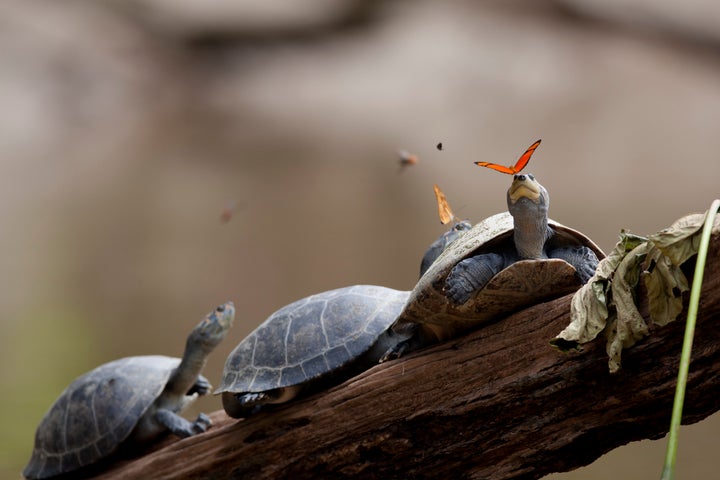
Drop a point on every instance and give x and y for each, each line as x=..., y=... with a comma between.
x=665, y=283
x=627, y=243
x=679, y=242
x=589, y=317
x=589, y=307
x=628, y=326
x=607, y=302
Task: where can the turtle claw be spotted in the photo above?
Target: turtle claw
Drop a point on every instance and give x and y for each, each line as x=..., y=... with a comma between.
x=394, y=352
x=201, y=423
x=250, y=399
x=581, y=257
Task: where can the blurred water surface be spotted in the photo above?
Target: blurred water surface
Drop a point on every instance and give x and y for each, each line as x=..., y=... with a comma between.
x=126, y=132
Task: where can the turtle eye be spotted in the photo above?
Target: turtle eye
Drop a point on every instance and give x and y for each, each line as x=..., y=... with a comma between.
x=531, y=176
x=220, y=308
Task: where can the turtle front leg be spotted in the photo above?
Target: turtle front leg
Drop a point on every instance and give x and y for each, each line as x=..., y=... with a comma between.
x=397, y=350
x=415, y=338
x=180, y=426
x=582, y=258
x=471, y=275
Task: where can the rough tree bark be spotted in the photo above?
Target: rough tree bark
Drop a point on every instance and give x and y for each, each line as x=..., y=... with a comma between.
x=499, y=403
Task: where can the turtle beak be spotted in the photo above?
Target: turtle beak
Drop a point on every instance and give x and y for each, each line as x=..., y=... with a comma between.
x=525, y=186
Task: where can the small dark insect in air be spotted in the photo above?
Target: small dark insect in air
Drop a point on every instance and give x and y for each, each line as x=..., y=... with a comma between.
x=406, y=159
x=439, y=146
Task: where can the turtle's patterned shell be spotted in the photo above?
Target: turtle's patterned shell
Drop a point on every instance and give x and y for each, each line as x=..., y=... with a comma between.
x=311, y=337
x=96, y=412
x=524, y=283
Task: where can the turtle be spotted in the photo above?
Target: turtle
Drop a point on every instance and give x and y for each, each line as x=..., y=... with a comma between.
x=317, y=341
x=127, y=402
x=312, y=343
x=504, y=263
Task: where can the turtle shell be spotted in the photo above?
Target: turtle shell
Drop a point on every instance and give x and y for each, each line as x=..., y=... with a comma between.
x=96, y=413
x=524, y=283
x=310, y=338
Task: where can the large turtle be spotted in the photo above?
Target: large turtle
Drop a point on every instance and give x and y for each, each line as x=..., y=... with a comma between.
x=128, y=401
x=506, y=262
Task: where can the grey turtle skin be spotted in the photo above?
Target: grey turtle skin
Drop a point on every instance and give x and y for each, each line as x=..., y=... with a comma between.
x=310, y=344
x=505, y=263
x=126, y=402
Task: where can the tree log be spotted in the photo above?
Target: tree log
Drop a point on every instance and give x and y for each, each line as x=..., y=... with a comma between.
x=499, y=403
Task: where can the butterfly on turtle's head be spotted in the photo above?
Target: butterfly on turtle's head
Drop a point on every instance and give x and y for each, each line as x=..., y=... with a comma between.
x=513, y=169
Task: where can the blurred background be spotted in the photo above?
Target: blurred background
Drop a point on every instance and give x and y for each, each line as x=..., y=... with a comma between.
x=162, y=156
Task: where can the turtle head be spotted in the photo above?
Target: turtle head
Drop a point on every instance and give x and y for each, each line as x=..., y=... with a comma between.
x=525, y=190
x=528, y=203
x=212, y=329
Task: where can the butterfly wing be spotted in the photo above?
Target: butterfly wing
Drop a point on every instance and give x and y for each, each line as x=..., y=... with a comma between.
x=519, y=165
x=525, y=158
x=444, y=211
x=496, y=167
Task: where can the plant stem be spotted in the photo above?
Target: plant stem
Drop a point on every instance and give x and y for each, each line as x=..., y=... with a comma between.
x=668, y=472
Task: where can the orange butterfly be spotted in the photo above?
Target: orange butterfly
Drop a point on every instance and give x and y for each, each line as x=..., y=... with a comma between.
x=444, y=211
x=519, y=165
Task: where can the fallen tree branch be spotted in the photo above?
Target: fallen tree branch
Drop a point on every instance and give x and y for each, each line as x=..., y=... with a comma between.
x=499, y=403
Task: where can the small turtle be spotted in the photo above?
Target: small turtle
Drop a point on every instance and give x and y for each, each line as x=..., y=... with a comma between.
x=318, y=341
x=128, y=401
x=505, y=263
x=309, y=344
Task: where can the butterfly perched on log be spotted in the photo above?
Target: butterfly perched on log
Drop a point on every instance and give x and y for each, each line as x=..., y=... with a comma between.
x=519, y=165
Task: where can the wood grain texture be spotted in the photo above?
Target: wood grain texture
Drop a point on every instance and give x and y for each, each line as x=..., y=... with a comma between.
x=500, y=403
